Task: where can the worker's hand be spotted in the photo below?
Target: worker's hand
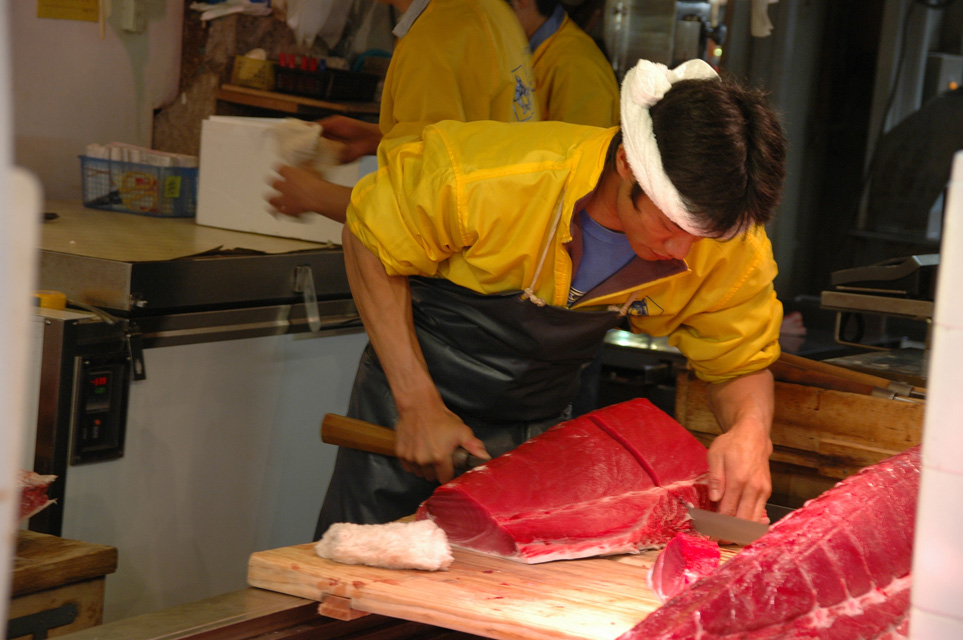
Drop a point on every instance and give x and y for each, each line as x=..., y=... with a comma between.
x=426, y=439
x=358, y=138
x=299, y=190
x=739, y=477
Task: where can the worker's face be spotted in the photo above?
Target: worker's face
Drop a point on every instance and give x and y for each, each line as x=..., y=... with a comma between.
x=652, y=235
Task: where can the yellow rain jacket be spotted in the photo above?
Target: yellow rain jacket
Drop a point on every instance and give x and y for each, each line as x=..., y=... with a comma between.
x=475, y=203
x=460, y=60
x=573, y=80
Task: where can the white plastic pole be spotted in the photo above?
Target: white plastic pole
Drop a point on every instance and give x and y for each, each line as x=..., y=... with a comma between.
x=20, y=208
x=937, y=593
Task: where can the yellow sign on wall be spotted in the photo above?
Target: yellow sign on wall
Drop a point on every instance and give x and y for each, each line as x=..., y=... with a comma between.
x=88, y=10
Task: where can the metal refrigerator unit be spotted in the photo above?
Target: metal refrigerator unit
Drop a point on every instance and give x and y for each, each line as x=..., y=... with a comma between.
x=179, y=396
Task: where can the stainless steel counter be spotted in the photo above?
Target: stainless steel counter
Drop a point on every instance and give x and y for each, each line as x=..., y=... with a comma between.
x=240, y=614
x=139, y=266
x=256, y=614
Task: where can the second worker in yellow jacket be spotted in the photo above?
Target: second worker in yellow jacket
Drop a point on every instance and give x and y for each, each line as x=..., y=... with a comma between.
x=574, y=82
x=459, y=60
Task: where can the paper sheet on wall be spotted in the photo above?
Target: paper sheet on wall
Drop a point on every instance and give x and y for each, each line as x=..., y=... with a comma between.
x=87, y=10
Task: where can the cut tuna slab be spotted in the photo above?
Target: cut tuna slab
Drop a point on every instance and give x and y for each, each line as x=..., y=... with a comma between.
x=836, y=569
x=612, y=481
x=686, y=558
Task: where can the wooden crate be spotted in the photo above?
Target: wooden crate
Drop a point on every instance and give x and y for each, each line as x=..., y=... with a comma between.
x=819, y=436
x=51, y=573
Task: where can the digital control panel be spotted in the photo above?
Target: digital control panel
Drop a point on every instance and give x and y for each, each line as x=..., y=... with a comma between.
x=100, y=415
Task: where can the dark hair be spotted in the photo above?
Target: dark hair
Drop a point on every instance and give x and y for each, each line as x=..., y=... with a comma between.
x=724, y=150
x=546, y=7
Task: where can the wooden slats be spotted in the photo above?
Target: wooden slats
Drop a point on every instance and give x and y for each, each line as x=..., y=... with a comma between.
x=833, y=432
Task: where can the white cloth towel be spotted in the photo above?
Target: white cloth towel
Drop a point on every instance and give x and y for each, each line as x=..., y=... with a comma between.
x=300, y=144
x=420, y=544
x=644, y=85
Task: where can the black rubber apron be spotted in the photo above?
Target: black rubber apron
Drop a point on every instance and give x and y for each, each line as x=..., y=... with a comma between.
x=506, y=366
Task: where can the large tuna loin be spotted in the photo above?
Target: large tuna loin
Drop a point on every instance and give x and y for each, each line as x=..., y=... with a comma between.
x=612, y=481
x=838, y=568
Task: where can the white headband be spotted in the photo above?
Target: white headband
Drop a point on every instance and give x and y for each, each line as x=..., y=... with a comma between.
x=644, y=85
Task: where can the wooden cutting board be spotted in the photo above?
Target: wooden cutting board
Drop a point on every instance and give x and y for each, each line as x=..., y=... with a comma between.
x=592, y=599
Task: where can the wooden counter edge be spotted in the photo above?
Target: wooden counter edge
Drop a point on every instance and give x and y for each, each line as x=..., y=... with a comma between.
x=45, y=562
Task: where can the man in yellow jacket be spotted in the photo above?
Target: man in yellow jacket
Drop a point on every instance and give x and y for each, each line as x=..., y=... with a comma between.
x=454, y=60
x=574, y=82
x=488, y=260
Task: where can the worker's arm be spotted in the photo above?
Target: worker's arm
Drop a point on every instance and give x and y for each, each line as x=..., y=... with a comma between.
x=739, y=478
x=358, y=138
x=301, y=190
x=427, y=431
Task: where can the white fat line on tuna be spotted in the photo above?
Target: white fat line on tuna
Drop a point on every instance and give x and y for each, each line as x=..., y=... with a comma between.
x=823, y=617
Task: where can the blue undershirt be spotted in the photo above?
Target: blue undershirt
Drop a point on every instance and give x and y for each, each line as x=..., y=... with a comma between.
x=548, y=28
x=604, y=252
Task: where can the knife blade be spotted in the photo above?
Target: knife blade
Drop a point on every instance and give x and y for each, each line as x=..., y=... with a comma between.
x=727, y=528
x=365, y=436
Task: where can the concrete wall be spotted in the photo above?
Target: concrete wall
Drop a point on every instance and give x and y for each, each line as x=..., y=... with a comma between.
x=71, y=87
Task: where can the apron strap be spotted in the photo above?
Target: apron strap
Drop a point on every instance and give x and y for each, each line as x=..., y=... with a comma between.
x=529, y=292
x=624, y=309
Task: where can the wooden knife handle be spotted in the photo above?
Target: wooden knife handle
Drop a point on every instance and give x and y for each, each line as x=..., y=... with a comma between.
x=357, y=434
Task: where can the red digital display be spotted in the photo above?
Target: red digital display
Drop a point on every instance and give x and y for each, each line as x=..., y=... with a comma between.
x=98, y=390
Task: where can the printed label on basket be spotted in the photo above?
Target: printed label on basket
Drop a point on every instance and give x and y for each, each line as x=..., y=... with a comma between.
x=138, y=191
x=172, y=187
x=139, y=188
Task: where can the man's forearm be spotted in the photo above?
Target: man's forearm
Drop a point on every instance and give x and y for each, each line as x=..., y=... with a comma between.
x=739, y=478
x=335, y=202
x=747, y=399
x=384, y=304
x=300, y=190
x=427, y=431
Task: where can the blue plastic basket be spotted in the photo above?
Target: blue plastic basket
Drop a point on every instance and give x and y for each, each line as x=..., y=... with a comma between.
x=163, y=192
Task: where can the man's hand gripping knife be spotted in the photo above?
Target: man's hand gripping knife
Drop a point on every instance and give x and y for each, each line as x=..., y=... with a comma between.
x=739, y=478
x=427, y=431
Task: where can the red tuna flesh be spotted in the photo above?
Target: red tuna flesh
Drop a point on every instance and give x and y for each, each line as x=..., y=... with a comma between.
x=686, y=558
x=836, y=569
x=33, y=493
x=612, y=481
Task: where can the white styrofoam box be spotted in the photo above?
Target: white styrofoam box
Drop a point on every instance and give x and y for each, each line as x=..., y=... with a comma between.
x=942, y=436
x=237, y=161
x=949, y=302
x=930, y=626
x=937, y=553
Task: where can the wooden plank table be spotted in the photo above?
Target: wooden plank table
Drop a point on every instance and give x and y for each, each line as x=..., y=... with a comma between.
x=50, y=573
x=591, y=599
